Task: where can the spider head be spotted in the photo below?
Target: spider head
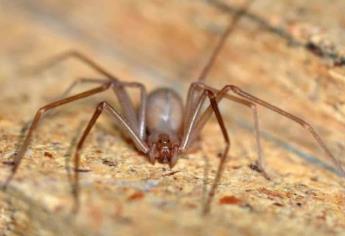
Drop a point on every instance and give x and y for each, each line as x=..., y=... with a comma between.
x=164, y=150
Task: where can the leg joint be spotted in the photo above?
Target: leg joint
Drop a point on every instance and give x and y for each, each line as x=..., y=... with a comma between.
x=102, y=105
x=42, y=110
x=198, y=85
x=210, y=94
x=233, y=88
x=107, y=85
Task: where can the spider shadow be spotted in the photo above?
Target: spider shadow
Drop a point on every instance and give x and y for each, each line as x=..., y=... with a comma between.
x=205, y=181
x=22, y=135
x=70, y=150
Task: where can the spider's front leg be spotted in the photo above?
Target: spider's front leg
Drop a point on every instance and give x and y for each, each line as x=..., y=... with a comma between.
x=139, y=143
x=204, y=117
x=224, y=156
x=191, y=119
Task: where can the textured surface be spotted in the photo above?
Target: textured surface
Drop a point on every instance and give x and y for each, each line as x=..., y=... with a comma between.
x=288, y=52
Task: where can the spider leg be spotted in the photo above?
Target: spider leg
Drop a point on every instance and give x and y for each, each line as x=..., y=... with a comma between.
x=37, y=118
x=190, y=124
x=230, y=28
x=290, y=116
x=73, y=54
x=136, y=120
x=204, y=117
x=122, y=122
x=70, y=88
x=77, y=82
x=294, y=118
x=194, y=102
x=214, y=105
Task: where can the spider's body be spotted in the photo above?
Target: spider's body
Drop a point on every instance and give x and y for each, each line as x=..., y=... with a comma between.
x=164, y=116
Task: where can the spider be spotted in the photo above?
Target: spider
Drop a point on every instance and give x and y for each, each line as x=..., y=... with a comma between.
x=162, y=128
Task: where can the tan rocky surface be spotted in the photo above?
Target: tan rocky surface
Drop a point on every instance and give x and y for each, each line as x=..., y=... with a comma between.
x=290, y=53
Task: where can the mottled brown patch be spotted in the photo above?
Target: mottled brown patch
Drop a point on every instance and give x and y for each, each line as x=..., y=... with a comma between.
x=278, y=204
x=229, y=200
x=111, y=163
x=48, y=154
x=136, y=196
x=191, y=205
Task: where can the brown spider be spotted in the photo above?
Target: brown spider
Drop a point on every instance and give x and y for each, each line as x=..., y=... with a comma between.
x=162, y=127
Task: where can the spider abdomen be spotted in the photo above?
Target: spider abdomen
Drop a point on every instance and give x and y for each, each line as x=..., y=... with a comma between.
x=164, y=111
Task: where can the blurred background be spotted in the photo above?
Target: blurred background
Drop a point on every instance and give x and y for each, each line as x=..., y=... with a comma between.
x=289, y=53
